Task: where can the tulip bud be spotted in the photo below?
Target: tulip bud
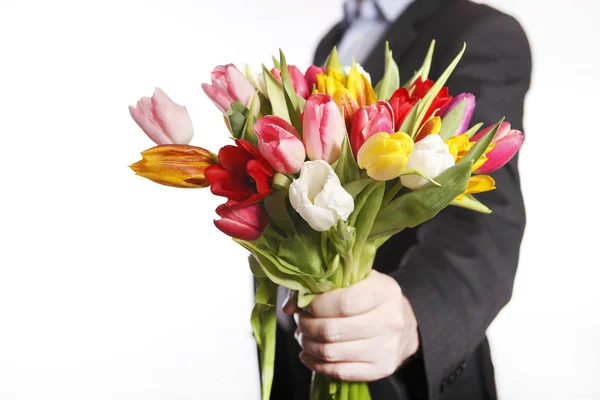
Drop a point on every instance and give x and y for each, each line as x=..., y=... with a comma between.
x=245, y=223
x=175, y=165
x=163, y=120
x=401, y=103
x=311, y=76
x=298, y=80
x=318, y=196
x=384, y=156
x=430, y=156
x=323, y=128
x=279, y=144
x=506, y=144
x=228, y=85
x=468, y=110
x=370, y=120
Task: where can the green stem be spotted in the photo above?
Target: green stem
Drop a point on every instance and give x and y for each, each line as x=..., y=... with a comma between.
x=348, y=268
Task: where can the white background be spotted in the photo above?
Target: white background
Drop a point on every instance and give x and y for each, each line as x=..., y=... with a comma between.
x=112, y=287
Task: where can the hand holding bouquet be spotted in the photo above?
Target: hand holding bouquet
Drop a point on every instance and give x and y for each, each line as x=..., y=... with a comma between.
x=322, y=170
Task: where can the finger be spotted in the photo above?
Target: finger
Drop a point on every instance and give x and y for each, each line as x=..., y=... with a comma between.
x=331, y=330
x=290, y=304
x=345, y=371
x=353, y=351
x=357, y=299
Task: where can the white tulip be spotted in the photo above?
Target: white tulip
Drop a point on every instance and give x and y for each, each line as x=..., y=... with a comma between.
x=430, y=156
x=318, y=196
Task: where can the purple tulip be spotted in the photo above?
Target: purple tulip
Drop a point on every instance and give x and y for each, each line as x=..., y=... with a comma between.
x=463, y=125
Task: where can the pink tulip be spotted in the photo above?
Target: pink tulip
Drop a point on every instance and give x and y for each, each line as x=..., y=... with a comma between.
x=323, y=128
x=279, y=144
x=465, y=120
x=163, y=120
x=370, y=120
x=246, y=223
x=507, y=143
x=228, y=85
x=298, y=80
x=311, y=76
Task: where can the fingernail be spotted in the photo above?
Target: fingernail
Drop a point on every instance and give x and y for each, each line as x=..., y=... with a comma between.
x=296, y=318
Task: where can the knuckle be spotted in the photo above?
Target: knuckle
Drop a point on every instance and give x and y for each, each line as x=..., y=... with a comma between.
x=347, y=304
x=341, y=373
x=329, y=332
x=328, y=353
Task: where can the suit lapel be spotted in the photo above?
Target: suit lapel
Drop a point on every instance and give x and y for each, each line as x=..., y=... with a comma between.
x=330, y=40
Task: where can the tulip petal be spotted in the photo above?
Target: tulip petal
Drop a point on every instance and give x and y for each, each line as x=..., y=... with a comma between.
x=218, y=96
x=503, y=151
x=239, y=86
x=172, y=117
x=142, y=115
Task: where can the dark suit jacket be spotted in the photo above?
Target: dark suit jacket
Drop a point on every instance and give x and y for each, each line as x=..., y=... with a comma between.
x=457, y=270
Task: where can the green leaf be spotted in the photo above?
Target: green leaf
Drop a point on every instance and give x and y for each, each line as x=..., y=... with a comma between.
x=281, y=181
x=276, y=95
x=276, y=63
x=255, y=267
x=473, y=130
x=451, y=121
x=346, y=167
x=409, y=121
x=237, y=118
x=305, y=252
x=433, y=92
x=391, y=78
x=410, y=171
x=423, y=72
x=276, y=206
x=355, y=187
x=270, y=267
x=333, y=62
x=361, y=199
x=482, y=144
x=412, y=209
x=264, y=326
x=248, y=133
x=304, y=298
x=291, y=97
x=367, y=215
x=471, y=203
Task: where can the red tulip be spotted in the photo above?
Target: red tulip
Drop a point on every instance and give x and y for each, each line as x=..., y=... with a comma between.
x=246, y=223
x=402, y=102
x=298, y=80
x=279, y=143
x=163, y=120
x=370, y=120
x=311, y=76
x=228, y=85
x=242, y=175
x=323, y=128
x=506, y=144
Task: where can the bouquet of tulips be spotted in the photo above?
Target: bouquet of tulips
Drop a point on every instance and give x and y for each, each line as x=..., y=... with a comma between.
x=322, y=170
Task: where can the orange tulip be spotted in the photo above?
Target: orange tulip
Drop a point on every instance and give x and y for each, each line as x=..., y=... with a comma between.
x=175, y=165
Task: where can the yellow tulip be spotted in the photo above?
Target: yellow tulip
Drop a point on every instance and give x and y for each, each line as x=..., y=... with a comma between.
x=175, y=165
x=384, y=156
x=350, y=93
x=460, y=145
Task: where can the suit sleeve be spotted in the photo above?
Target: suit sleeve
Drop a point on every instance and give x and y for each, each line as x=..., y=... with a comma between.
x=460, y=273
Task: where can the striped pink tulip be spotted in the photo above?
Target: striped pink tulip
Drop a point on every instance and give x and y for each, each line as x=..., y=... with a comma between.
x=298, y=81
x=228, y=85
x=163, y=120
x=370, y=120
x=323, y=128
x=280, y=144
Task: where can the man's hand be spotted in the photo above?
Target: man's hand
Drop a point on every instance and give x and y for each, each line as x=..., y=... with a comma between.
x=359, y=334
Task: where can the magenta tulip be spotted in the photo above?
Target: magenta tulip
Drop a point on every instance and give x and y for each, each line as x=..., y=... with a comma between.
x=506, y=144
x=280, y=144
x=163, y=120
x=311, y=76
x=323, y=128
x=228, y=85
x=246, y=223
x=298, y=80
x=469, y=99
x=370, y=120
